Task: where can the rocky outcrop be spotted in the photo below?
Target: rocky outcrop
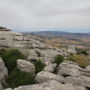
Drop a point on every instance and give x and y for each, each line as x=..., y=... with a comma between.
x=80, y=81
x=34, y=55
x=46, y=76
x=25, y=66
x=68, y=68
x=74, y=74
x=3, y=72
x=50, y=85
x=46, y=55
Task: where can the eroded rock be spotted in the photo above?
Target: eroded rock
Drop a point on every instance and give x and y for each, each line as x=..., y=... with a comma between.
x=25, y=66
x=46, y=76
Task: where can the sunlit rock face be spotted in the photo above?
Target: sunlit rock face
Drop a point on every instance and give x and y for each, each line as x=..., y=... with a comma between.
x=9, y=38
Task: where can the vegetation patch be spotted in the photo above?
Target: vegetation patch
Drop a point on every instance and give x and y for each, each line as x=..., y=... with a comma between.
x=16, y=77
x=10, y=58
x=81, y=60
x=39, y=65
x=58, y=59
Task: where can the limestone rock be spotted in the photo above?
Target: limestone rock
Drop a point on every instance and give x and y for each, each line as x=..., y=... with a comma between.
x=25, y=66
x=46, y=76
x=50, y=67
x=88, y=68
x=8, y=89
x=33, y=55
x=68, y=68
x=50, y=85
x=1, y=88
x=3, y=72
x=80, y=81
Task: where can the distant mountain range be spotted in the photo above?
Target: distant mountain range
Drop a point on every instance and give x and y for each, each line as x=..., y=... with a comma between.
x=61, y=34
x=60, y=38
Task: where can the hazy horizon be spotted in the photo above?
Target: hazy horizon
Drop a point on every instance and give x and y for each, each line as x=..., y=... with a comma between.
x=37, y=15
x=51, y=29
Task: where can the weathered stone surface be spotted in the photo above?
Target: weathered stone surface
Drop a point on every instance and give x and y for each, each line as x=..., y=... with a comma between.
x=1, y=88
x=69, y=68
x=33, y=55
x=88, y=68
x=50, y=67
x=46, y=55
x=25, y=66
x=85, y=72
x=46, y=76
x=50, y=85
x=80, y=81
x=3, y=72
x=8, y=89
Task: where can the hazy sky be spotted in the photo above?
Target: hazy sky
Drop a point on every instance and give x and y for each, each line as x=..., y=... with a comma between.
x=45, y=14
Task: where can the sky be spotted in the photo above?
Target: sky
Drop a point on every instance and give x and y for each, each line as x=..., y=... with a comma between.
x=28, y=15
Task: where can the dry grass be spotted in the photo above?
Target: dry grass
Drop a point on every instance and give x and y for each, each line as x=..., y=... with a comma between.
x=82, y=60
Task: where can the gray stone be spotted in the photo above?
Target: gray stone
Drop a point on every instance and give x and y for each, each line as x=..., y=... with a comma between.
x=8, y=89
x=3, y=72
x=50, y=85
x=80, y=81
x=1, y=88
x=33, y=55
x=69, y=68
x=88, y=68
x=46, y=76
x=25, y=66
x=50, y=68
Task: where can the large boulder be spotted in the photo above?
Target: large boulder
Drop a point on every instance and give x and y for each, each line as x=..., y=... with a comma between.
x=25, y=66
x=3, y=72
x=80, y=81
x=50, y=85
x=46, y=76
x=68, y=68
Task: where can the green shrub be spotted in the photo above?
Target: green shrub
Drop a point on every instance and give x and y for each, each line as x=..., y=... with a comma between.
x=39, y=66
x=18, y=78
x=82, y=51
x=58, y=59
x=2, y=52
x=10, y=58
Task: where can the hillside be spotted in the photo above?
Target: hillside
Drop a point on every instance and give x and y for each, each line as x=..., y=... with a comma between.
x=60, y=38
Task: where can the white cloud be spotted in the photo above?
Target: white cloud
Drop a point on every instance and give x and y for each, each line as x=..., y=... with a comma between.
x=45, y=13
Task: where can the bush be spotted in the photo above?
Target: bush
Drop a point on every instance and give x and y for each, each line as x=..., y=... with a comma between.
x=2, y=52
x=18, y=78
x=39, y=66
x=58, y=59
x=10, y=58
x=82, y=51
